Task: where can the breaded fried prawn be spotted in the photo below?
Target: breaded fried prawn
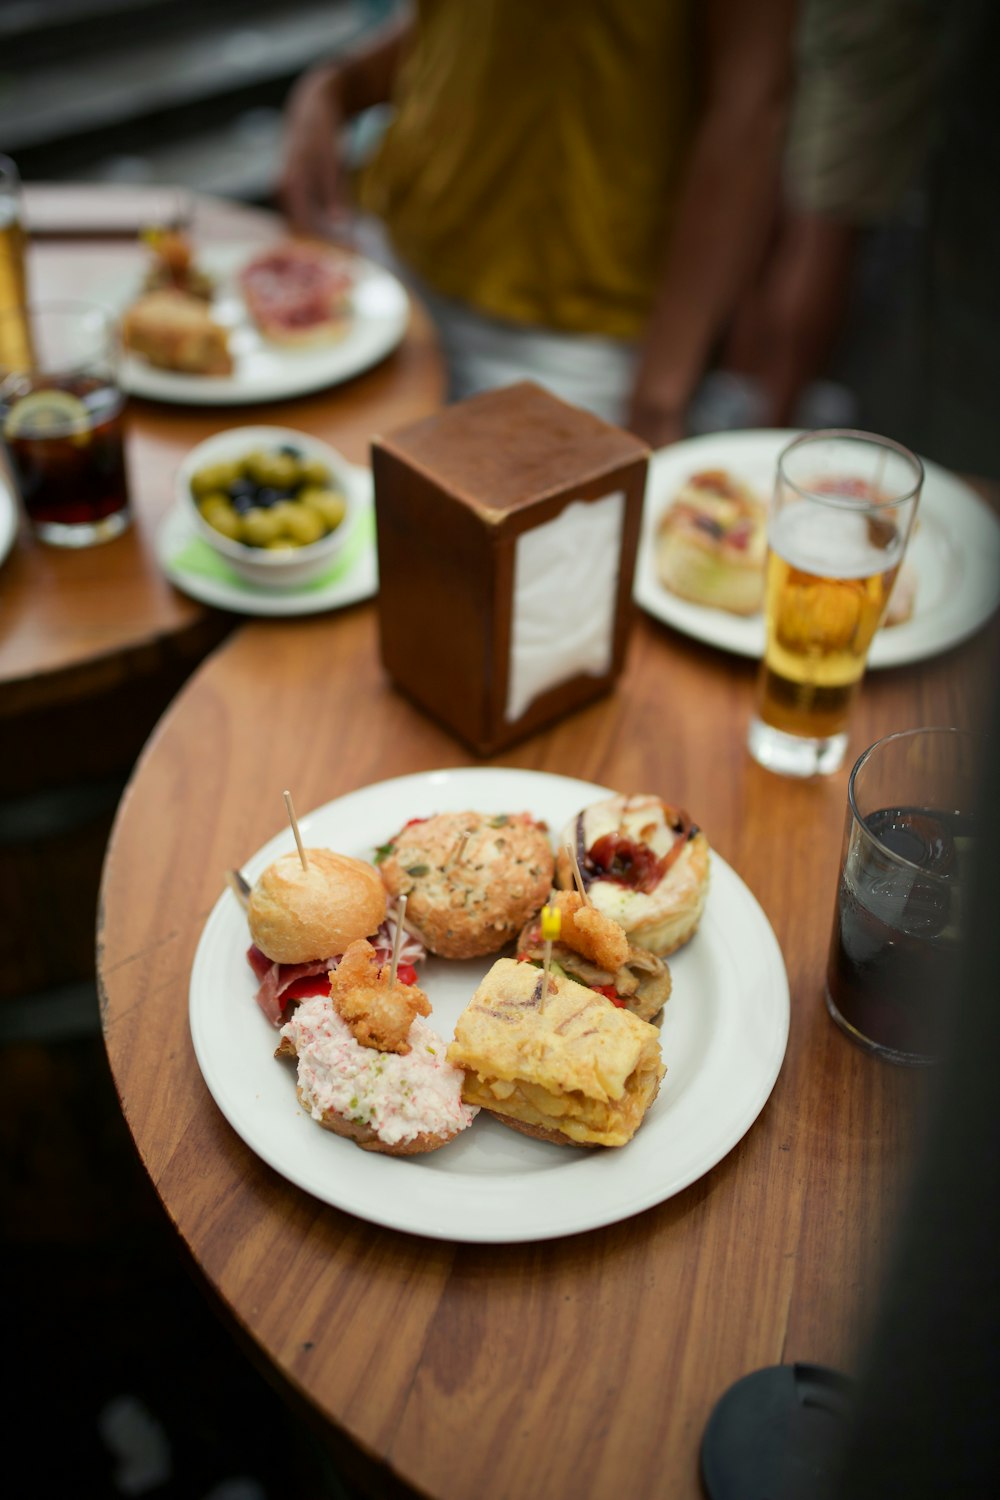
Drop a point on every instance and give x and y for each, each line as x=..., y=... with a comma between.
x=377, y=1013
x=589, y=932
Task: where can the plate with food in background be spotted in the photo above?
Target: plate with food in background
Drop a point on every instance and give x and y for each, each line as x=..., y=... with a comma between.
x=233, y=324
x=543, y=1148
x=703, y=542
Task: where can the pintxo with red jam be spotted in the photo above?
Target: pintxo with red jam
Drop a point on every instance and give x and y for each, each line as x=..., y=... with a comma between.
x=644, y=863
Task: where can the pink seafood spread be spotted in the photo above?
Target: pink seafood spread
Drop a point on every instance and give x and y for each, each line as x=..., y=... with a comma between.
x=400, y=1097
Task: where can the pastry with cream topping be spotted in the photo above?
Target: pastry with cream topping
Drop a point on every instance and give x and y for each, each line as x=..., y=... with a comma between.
x=711, y=543
x=642, y=862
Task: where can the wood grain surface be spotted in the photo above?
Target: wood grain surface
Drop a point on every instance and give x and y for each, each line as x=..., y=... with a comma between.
x=583, y=1367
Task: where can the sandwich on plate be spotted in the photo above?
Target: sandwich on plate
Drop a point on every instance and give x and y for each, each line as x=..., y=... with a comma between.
x=555, y=1059
x=369, y=1067
x=302, y=920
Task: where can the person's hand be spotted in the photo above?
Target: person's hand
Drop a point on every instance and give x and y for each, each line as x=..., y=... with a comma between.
x=311, y=188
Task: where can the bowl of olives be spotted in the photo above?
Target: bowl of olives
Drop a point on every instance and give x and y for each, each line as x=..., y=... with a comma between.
x=275, y=503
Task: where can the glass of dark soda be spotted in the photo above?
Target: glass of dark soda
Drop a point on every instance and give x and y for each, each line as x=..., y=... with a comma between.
x=896, y=949
x=62, y=419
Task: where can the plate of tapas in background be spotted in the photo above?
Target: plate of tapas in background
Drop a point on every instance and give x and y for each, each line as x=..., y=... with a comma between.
x=719, y=487
x=234, y=324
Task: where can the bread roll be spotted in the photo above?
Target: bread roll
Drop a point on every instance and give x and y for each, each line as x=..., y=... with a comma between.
x=297, y=915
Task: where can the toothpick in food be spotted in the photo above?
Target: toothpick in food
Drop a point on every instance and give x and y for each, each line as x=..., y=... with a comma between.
x=577, y=877
x=551, y=928
x=295, y=829
x=400, y=914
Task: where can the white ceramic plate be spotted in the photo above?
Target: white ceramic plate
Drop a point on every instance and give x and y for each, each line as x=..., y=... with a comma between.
x=197, y=570
x=724, y=1034
x=270, y=372
x=8, y=519
x=955, y=552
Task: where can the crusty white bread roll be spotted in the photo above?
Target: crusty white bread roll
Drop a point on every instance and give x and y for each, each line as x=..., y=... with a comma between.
x=298, y=915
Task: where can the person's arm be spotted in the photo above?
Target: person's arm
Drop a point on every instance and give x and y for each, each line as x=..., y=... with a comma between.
x=311, y=186
x=725, y=207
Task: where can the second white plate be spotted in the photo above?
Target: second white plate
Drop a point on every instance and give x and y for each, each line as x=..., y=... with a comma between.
x=724, y=1034
x=955, y=553
x=271, y=372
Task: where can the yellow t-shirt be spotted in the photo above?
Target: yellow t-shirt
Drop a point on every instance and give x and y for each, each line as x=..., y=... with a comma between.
x=533, y=161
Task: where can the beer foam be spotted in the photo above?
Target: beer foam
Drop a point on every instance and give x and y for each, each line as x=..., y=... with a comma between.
x=832, y=543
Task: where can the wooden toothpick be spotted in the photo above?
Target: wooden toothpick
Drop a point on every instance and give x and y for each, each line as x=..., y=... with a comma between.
x=295, y=829
x=577, y=877
x=551, y=928
x=455, y=857
x=397, y=941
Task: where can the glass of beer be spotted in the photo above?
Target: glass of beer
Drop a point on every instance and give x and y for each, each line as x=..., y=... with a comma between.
x=841, y=515
x=61, y=415
x=895, y=951
x=13, y=274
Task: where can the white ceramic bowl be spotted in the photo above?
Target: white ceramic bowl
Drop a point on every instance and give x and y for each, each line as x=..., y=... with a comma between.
x=284, y=569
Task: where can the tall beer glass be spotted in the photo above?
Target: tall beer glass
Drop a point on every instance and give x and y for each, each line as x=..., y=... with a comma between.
x=840, y=519
x=14, y=345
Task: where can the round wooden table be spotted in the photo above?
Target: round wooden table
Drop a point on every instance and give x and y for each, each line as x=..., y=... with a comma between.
x=577, y=1367
x=95, y=643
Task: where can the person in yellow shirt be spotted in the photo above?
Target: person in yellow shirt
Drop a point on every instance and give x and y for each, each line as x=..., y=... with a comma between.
x=580, y=189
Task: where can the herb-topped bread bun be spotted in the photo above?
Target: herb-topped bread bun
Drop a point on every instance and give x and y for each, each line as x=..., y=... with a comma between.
x=471, y=879
x=556, y=1060
x=642, y=862
x=711, y=543
x=297, y=915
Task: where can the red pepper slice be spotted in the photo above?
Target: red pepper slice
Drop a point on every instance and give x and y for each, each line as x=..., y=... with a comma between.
x=610, y=993
x=309, y=984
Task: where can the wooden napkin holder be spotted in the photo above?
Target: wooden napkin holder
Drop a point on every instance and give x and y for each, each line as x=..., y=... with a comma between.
x=490, y=623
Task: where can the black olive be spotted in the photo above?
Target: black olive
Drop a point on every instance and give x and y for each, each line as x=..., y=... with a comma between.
x=266, y=496
x=290, y=450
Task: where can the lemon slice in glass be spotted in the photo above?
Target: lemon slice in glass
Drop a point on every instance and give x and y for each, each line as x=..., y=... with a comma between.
x=47, y=414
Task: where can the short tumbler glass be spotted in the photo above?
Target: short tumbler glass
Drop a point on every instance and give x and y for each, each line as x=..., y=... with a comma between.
x=61, y=414
x=896, y=947
x=840, y=519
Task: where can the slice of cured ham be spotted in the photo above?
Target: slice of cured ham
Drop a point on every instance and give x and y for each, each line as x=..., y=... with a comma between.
x=294, y=289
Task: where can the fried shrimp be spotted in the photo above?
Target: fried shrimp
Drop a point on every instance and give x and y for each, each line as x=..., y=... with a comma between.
x=590, y=933
x=378, y=1015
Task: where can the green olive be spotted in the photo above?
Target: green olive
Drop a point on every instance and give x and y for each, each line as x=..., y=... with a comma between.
x=221, y=516
x=259, y=527
x=304, y=525
x=214, y=477
x=278, y=471
x=331, y=506
x=313, y=471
